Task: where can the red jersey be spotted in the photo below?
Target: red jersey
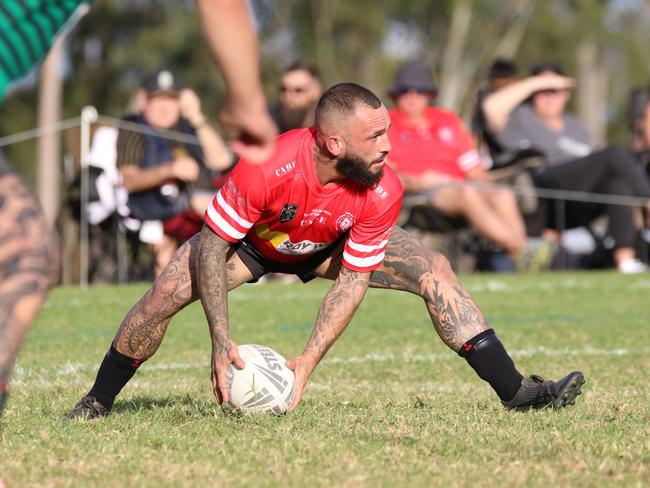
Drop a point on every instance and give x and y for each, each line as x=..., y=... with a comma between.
x=443, y=146
x=283, y=210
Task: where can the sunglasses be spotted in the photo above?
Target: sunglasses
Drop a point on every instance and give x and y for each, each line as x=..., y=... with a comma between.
x=419, y=91
x=292, y=89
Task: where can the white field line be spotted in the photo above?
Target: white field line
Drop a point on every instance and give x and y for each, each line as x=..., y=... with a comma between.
x=494, y=285
x=68, y=369
x=263, y=293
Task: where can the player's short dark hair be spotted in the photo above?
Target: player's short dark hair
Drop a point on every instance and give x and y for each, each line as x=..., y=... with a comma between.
x=302, y=66
x=344, y=99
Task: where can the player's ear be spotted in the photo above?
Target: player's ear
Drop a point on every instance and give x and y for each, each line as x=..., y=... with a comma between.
x=334, y=145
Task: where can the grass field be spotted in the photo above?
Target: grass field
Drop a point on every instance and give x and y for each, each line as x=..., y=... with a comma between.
x=389, y=406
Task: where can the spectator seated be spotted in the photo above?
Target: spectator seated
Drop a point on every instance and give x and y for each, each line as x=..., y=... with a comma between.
x=530, y=114
x=440, y=167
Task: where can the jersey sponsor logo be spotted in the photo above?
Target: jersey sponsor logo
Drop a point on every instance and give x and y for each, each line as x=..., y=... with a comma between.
x=288, y=212
x=287, y=168
x=300, y=248
x=345, y=221
x=282, y=243
x=379, y=190
x=315, y=216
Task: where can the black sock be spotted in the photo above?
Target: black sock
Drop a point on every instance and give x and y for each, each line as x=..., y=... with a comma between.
x=488, y=357
x=115, y=372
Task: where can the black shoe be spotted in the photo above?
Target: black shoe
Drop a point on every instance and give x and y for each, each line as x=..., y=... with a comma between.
x=534, y=392
x=88, y=408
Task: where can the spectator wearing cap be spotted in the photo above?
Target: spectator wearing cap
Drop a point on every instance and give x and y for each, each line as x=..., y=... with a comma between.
x=300, y=89
x=530, y=114
x=434, y=156
x=170, y=182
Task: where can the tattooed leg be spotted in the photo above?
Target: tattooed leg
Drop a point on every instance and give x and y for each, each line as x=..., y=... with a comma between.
x=144, y=326
x=456, y=317
x=411, y=267
x=28, y=266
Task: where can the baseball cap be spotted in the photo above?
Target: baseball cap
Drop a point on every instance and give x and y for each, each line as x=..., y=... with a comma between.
x=162, y=81
x=412, y=75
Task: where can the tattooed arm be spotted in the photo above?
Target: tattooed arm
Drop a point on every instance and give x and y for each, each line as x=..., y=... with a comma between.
x=336, y=312
x=211, y=272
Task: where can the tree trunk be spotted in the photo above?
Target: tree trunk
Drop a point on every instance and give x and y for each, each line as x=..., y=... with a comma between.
x=323, y=12
x=460, y=68
x=508, y=45
x=592, y=91
x=450, y=71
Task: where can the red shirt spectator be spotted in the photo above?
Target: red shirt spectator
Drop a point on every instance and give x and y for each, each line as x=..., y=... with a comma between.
x=443, y=145
x=431, y=149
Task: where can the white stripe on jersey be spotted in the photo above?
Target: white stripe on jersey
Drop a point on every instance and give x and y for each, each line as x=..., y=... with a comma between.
x=363, y=262
x=364, y=248
x=232, y=213
x=468, y=160
x=222, y=224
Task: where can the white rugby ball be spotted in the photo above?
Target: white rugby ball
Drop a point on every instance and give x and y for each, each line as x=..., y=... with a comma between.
x=264, y=385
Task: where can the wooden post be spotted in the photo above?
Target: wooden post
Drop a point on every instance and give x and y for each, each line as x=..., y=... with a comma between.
x=49, y=144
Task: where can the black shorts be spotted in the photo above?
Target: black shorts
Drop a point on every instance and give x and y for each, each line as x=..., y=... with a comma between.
x=259, y=265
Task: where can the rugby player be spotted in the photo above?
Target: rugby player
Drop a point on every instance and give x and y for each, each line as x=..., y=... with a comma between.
x=28, y=254
x=324, y=205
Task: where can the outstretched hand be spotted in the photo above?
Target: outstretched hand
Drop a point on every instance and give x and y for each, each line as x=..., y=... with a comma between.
x=254, y=132
x=221, y=360
x=302, y=366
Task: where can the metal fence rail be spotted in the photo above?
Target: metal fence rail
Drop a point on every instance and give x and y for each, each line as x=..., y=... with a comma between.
x=90, y=117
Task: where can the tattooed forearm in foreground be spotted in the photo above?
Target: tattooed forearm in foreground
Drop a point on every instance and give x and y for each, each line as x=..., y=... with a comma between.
x=213, y=290
x=337, y=310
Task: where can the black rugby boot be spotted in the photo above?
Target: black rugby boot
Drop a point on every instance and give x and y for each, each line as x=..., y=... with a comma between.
x=88, y=408
x=534, y=392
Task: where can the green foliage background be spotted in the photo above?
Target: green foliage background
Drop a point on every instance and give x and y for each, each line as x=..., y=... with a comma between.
x=121, y=40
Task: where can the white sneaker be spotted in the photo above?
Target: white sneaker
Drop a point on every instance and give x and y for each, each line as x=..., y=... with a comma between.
x=632, y=266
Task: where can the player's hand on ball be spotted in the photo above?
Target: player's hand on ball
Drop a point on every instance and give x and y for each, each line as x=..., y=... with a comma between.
x=302, y=366
x=221, y=359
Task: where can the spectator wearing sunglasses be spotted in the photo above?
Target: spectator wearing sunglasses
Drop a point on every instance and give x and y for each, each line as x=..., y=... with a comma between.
x=435, y=158
x=299, y=90
x=530, y=114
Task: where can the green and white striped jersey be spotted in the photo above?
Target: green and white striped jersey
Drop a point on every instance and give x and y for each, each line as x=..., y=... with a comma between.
x=27, y=30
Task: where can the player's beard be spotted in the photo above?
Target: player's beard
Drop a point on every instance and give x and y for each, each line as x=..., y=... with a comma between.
x=353, y=167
